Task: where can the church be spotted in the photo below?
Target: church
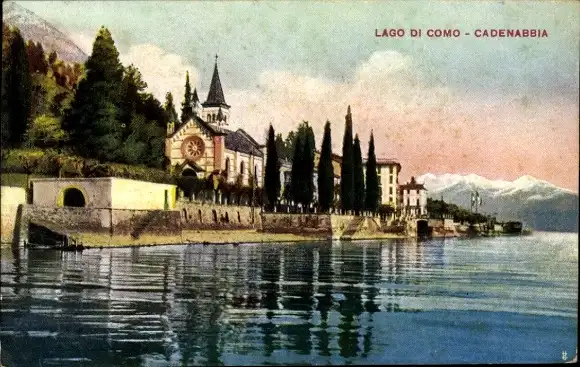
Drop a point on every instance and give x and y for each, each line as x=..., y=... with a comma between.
x=205, y=145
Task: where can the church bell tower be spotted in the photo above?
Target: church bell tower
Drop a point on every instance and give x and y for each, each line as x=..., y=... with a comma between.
x=215, y=109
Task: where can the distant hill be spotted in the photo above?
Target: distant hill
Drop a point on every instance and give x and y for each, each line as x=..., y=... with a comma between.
x=37, y=29
x=539, y=204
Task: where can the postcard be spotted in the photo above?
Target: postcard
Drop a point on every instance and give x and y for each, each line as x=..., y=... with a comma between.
x=289, y=182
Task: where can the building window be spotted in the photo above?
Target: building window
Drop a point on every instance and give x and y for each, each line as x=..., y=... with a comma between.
x=390, y=179
x=242, y=168
x=390, y=190
x=225, y=119
x=390, y=169
x=208, y=117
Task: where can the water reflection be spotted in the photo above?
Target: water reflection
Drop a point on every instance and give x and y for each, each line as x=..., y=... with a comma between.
x=196, y=304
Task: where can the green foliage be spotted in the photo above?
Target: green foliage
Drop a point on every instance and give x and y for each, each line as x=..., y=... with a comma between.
x=169, y=108
x=54, y=164
x=16, y=89
x=307, y=172
x=347, y=166
x=272, y=174
x=296, y=174
x=93, y=121
x=187, y=104
x=359, y=183
x=45, y=131
x=36, y=59
x=281, y=147
x=326, y=172
x=439, y=208
x=372, y=193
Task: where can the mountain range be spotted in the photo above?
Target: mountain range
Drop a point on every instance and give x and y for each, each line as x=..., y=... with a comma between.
x=537, y=203
x=32, y=27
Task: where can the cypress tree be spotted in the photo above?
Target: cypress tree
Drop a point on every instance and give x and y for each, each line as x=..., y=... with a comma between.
x=359, y=183
x=296, y=174
x=187, y=104
x=347, y=166
x=17, y=89
x=94, y=118
x=307, y=172
x=372, y=180
x=170, y=108
x=272, y=174
x=281, y=147
x=326, y=172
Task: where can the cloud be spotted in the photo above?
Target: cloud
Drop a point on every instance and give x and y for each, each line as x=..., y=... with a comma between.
x=162, y=71
x=428, y=127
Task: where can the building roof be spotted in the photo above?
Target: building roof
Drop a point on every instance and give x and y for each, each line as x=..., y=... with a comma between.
x=241, y=141
x=215, y=96
x=195, y=98
x=413, y=185
x=214, y=130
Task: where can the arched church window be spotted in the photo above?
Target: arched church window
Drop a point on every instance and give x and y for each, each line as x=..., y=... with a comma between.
x=256, y=179
x=208, y=117
x=227, y=167
x=213, y=117
x=242, y=168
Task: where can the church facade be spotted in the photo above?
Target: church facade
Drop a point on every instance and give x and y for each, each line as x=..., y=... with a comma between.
x=205, y=145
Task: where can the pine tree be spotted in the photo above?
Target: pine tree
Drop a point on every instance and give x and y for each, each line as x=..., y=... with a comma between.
x=297, y=173
x=169, y=108
x=359, y=183
x=347, y=166
x=272, y=177
x=326, y=172
x=93, y=121
x=16, y=89
x=372, y=181
x=52, y=57
x=187, y=105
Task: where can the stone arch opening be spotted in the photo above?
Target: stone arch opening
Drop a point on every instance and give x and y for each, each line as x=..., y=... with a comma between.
x=239, y=218
x=214, y=213
x=199, y=216
x=185, y=214
x=227, y=218
x=74, y=197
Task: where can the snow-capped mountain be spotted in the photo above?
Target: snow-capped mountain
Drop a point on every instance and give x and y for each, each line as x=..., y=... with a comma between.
x=37, y=29
x=539, y=204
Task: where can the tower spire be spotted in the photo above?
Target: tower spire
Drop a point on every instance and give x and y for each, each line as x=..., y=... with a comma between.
x=215, y=96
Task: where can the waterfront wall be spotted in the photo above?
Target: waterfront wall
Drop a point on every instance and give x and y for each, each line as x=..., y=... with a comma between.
x=10, y=200
x=113, y=222
x=321, y=225
x=196, y=215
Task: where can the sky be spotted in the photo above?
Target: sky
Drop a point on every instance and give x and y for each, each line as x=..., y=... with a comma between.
x=497, y=107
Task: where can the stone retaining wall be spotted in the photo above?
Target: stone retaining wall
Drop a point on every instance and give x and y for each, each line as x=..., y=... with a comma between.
x=213, y=216
x=10, y=199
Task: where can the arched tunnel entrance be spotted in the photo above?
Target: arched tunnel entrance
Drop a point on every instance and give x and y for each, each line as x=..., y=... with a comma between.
x=74, y=197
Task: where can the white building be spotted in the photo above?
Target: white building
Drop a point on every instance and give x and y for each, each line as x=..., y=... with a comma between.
x=413, y=199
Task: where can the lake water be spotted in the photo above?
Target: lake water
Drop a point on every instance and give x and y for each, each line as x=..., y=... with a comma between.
x=507, y=299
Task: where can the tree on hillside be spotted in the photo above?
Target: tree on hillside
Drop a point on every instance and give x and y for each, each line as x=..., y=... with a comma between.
x=52, y=57
x=359, y=183
x=272, y=174
x=326, y=172
x=169, y=108
x=16, y=88
x=36, y=59
x=187, y=104
x=93, y=120
x=372, y=193
x=347, y=166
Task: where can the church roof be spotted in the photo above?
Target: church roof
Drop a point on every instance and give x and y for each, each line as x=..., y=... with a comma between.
x=195, y=98
x=241, y=141
x=211, y=129
x=215, y=96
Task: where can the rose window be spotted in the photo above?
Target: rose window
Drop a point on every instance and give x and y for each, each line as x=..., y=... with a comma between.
x=192, y=148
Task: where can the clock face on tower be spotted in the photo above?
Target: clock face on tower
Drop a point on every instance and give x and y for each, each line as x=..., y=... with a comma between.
x=192, y=148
